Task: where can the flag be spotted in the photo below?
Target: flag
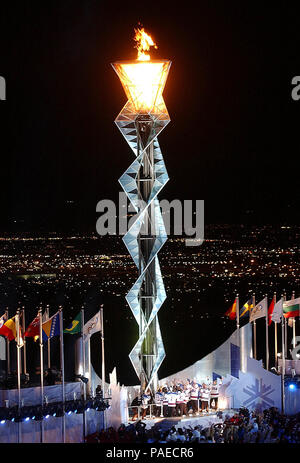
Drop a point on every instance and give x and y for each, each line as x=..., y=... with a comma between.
x=8, y=329
x=260, y=310
x=51, y=327
x=231, y=313
x=246, y=308
x=270, y=311
x=75, y=325
x=33, y=329
x=92, y=326
x=3, y=319
x=277, y=312
x=291, y=308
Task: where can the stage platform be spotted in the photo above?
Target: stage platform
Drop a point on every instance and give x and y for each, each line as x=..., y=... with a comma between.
x=204, y=421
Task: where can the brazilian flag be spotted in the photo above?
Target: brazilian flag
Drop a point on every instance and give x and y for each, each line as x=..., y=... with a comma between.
x=75, y=325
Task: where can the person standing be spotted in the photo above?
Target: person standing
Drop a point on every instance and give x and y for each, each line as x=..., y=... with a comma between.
x=172, y=396
x=180, y=401
x=165, y=402
x=186, y=398
x=204, y=397
x=214, y=395
x=194, y=397
x=158, y=402
x=145, y=402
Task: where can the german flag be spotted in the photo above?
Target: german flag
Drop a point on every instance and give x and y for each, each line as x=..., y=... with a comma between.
x=231, y=313
x=246, y=308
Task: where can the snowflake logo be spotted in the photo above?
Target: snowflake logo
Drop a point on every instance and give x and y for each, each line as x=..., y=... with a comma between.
x=258, y=394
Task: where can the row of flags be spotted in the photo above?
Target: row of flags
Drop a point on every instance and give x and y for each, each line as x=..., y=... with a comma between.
x=50, y=327
x=275, y=312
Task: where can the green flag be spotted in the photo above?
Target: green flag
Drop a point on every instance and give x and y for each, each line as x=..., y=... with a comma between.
x=75, y=325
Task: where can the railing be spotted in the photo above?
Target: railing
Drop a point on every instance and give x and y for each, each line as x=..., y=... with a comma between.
x=153, y=411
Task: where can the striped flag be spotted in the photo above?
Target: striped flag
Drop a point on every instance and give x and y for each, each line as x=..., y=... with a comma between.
x=291, y=308
x=231, y=313
x=8, y=328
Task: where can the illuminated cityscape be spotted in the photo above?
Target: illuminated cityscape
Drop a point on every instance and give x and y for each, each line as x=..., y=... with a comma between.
x=201, y=282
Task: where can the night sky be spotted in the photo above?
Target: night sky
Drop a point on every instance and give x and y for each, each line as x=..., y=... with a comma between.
x=233, y=131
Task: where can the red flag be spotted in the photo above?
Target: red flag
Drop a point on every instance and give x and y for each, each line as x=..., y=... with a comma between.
x=34, y=328
x=270, y=311
x=231, y=313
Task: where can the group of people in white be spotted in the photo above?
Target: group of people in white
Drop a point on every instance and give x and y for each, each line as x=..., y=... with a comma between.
x=182, y=399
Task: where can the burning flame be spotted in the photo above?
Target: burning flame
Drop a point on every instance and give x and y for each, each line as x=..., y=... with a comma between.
x=144, y=42
x=143, y=79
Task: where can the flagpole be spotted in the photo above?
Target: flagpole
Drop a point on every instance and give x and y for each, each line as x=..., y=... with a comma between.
x=7, y=347
x=24, y=342
x=283, y=363
x=285, y=328
x=102, y=348
x=62, y=365
x=89, y=366
x=294, y=325
x=18, y=370
x=275, y=337
x=254, y=325
x=83, y=372
x=238, y=325
x=48, y=344
x=267, y=335
x=41, y=369
x=103, y=359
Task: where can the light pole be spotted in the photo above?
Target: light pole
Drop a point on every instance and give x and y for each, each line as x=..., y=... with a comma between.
x=141, y=120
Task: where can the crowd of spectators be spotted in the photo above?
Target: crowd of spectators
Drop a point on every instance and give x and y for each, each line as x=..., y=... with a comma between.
x=269, y=426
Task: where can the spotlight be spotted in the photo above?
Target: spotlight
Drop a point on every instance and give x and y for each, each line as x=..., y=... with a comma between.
x=48, y=410
x=59, y=410
x=100, y=404
x=79, y=407
x=292, y=387
x=38, y=415
x=12, y=413
x=88, y=405
x=70, y=407
x=26, y=413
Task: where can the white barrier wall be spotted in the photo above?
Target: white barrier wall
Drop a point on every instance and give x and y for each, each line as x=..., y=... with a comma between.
x=257, y=389
x=228, y=359
x=30, y=431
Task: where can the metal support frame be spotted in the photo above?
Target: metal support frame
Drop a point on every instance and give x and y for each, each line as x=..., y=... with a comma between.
x=142, y=182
